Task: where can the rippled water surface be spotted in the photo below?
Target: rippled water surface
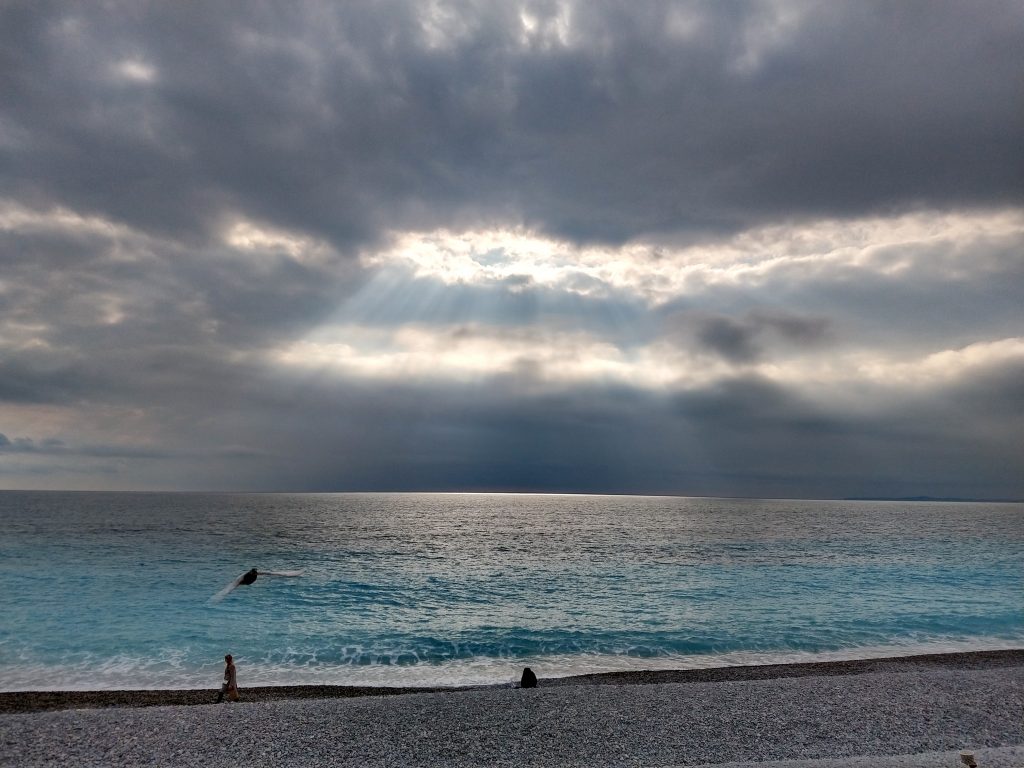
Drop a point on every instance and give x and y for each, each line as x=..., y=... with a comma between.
x=112, y=590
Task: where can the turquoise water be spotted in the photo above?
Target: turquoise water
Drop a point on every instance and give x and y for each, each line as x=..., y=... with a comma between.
x=112, y=590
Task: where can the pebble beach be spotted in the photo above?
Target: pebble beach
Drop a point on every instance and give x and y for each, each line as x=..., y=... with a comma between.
x=912, y=711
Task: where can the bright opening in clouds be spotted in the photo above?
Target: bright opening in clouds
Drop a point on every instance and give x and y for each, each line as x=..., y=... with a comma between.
x=134, y=70
x=771, y=249
x=658, y=272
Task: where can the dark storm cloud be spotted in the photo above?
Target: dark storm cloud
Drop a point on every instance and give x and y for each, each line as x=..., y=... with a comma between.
x=730, y=338
x=739, y=436
x=744, y=436
x=741, y=340
x=138, y=338
x=342, y=119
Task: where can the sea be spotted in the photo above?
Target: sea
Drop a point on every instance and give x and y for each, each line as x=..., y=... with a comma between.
x=113, y=590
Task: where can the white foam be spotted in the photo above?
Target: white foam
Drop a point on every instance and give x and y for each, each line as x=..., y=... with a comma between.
x=174, y=672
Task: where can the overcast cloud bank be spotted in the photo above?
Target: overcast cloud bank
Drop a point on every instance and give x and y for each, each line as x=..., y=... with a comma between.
x=768, y=248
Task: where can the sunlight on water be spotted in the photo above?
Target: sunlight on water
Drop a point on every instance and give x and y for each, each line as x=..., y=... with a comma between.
x=113, y=590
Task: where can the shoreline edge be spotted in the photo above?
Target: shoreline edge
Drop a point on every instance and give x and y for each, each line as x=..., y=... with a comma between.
x=46, y=700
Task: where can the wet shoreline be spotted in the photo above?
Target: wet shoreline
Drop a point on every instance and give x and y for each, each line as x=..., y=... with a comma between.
x=38, y=701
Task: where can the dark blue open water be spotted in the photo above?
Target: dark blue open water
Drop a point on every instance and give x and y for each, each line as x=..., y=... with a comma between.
x=112, y=590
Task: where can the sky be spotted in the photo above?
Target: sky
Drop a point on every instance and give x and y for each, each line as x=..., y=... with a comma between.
x=766, y=249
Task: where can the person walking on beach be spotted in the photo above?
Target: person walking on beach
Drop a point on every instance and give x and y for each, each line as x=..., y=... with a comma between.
x=230, y=685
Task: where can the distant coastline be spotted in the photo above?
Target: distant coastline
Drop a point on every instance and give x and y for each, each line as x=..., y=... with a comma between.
x=492, y=492
x=934, y=498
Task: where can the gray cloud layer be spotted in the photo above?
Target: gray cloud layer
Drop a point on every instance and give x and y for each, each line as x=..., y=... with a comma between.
x=134, y=338
x=343, y=119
